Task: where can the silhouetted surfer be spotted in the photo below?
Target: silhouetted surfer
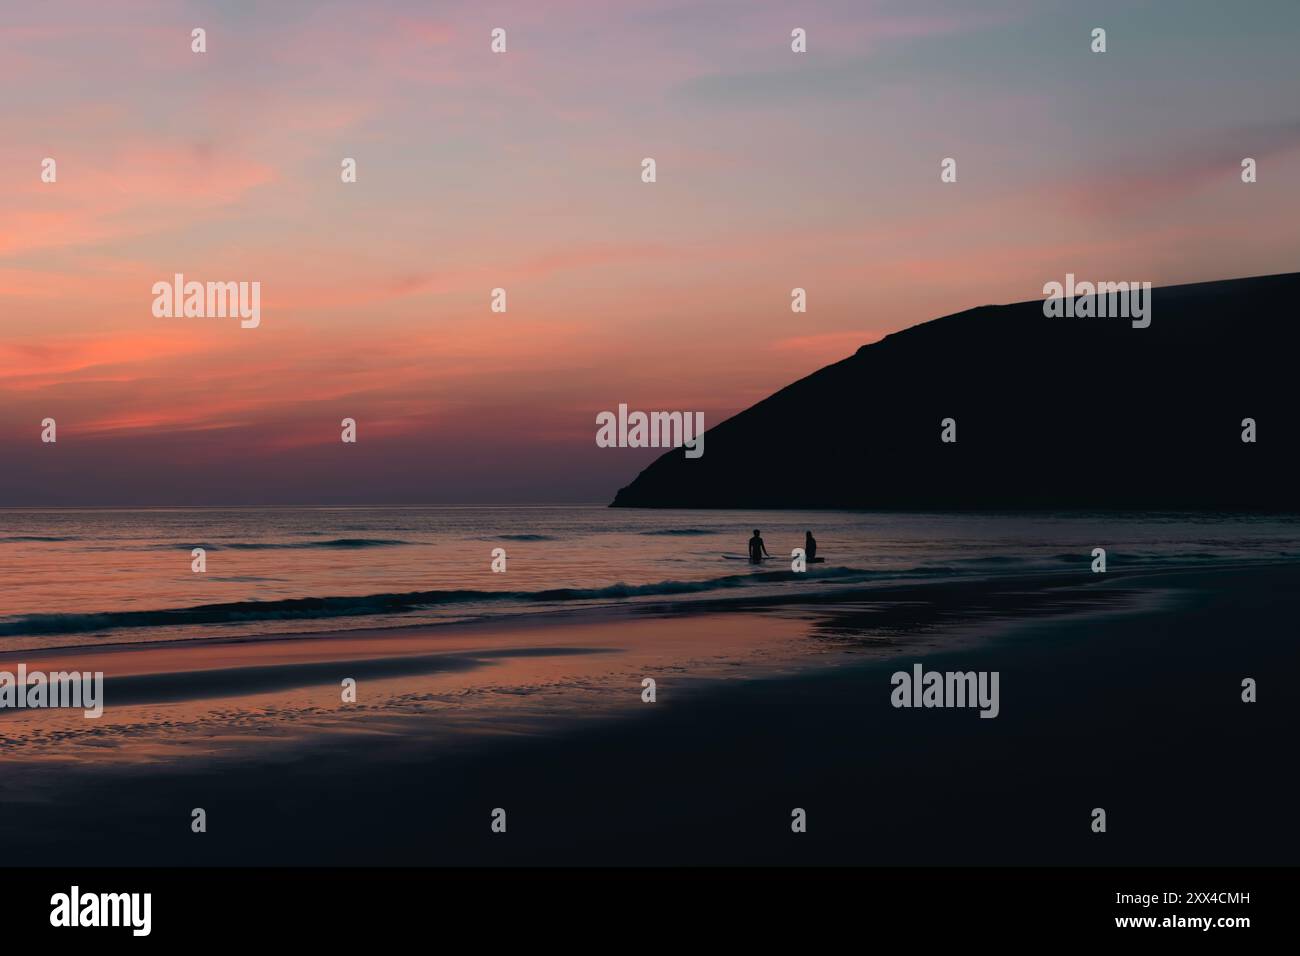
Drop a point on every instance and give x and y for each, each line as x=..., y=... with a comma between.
x=757, y=549
x=809, y=545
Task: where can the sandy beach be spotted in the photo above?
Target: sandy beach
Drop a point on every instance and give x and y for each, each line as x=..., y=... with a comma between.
x=1117, y=691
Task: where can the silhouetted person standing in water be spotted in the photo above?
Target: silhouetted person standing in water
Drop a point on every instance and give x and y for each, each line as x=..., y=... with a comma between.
x=757, y=549
x=809, y=545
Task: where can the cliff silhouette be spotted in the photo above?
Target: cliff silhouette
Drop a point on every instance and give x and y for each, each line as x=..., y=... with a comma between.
x=1050, y=413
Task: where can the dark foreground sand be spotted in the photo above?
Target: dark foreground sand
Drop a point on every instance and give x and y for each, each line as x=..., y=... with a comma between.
x=1120, y=692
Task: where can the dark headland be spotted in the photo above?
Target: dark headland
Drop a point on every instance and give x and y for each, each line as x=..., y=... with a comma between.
x=1050, y=413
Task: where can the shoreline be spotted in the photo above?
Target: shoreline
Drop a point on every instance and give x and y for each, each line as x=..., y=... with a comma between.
x=293, y=659
x=891, y=585
x=709, y=774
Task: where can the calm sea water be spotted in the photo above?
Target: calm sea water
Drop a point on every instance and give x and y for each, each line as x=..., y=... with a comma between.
x=101, y=576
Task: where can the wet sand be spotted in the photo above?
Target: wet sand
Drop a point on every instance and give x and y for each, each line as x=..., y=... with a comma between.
x=1120, y=691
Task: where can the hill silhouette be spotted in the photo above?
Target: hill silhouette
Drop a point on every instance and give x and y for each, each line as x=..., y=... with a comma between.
x=1050, y=413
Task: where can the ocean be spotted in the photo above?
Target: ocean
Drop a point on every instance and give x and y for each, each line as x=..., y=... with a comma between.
x=92, y=577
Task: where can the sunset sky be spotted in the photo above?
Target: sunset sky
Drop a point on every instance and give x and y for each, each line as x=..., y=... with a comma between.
x=522, y=171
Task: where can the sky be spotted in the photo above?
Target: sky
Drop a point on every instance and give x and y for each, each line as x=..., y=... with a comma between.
x=522, y=171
